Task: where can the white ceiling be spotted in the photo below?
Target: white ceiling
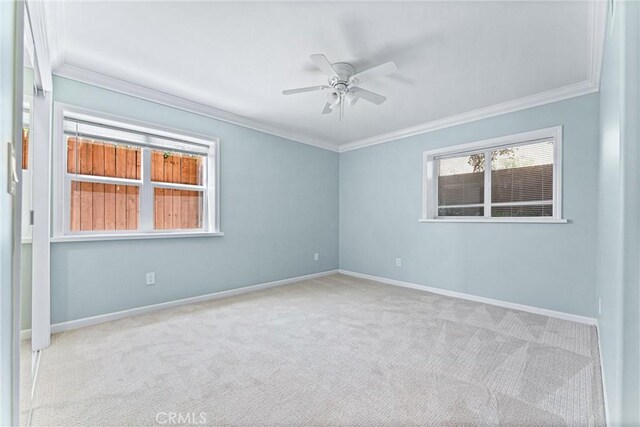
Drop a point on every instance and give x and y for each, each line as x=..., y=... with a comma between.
x=454, y=57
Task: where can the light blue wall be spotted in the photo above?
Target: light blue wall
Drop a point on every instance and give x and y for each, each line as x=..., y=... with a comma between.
x=279, y=205
x=544, y=265
x=618, y=230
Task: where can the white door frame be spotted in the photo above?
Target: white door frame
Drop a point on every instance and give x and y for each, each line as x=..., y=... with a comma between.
x=40, y=246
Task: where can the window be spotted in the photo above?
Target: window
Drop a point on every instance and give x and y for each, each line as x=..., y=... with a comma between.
x=122, y=179
x=26, y=118
x=509, y=179
x=27, y=173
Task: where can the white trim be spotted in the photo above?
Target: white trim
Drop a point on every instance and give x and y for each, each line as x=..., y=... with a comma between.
x=177, y=186
x=94, y=320
x=29, y=47
x=62, y=179
x=469, y=297
x=134, y=236
x=604, y=383
x=107, y=179
x=430, y=184
x=507, y=220
x=37, y=16
x=486, y=204
x=131, y=89
x=597, y=15
x=487, y=187
x=41, y=228
x=543, y=98
x=523, y=137
x=25, y=334
x=55, y=23
x=27, y=176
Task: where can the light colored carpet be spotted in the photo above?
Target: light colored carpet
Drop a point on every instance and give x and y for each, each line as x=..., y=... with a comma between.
x=329, y=351
x=25, y=380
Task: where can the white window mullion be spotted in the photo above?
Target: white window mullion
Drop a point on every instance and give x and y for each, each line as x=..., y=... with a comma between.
x=470, y=205
x=529, y=164
x=146, y=138
x=66, y=188
x=100, y=179
x=487, y=184
x=177, y=186
x=531, y=203
x=210, y=219
x=434, y=183
x=146, y=193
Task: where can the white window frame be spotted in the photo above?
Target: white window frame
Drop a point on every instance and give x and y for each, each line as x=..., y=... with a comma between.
x=27, y=174
x=430, y=179
x=62, y=181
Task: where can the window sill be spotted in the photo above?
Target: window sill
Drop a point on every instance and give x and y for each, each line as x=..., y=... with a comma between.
x=134, y=236
x=499, y=220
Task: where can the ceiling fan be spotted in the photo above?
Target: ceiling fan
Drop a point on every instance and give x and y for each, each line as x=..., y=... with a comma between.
x=342, y=83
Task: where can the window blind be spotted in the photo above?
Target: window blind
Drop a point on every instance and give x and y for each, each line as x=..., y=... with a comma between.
x=461, y=185
x=522, y=180
x=82, y=128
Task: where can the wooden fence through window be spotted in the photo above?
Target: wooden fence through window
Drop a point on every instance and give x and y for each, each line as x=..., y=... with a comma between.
x=173, y=208
x=98, y=206
x=25, y=148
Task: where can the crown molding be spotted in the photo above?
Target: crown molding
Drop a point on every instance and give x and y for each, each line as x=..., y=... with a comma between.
x=37, y=19
x=55, y=22
x=597, y=22
x=597, y=17
x=536, y=100
x=132, y=89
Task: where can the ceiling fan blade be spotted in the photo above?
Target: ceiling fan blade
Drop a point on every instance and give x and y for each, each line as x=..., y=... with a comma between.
x=376, y=98
x=303, y=89
x=352, y=96
x=323, y=63
x=372, y=73
x=327, y=109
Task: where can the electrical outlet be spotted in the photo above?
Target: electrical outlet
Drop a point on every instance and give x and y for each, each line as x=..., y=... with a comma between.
x=316, y=256
x=398, y=262
x=151, y=278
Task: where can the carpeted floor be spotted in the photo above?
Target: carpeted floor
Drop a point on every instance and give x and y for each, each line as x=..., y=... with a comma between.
x=331, y=351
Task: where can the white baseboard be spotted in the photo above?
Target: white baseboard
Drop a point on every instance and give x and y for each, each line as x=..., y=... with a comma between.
x=484, y=300
x=604, y=383
x=94, y=320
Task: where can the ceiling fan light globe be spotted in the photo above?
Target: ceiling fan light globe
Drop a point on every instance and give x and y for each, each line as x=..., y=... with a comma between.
x=333, y=98
x=351, y=98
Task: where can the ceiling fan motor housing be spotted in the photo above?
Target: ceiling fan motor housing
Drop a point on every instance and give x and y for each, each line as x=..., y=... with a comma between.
x=342, y=83
x=344, y=71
